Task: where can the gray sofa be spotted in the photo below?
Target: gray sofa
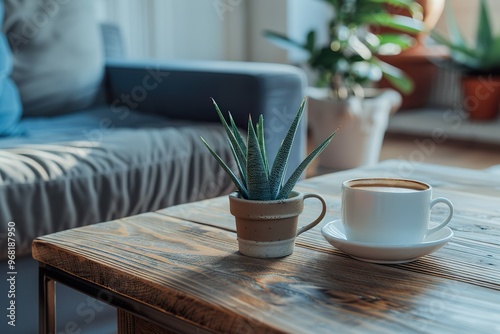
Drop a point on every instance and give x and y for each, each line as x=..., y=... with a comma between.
x=107, y=162
x=135, y=148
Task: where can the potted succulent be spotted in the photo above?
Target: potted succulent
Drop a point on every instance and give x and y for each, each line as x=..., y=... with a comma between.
x=266, y=208
x=479, y=64
x=345, y=65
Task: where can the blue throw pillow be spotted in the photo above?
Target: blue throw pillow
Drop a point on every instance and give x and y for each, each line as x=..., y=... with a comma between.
x=10, y=103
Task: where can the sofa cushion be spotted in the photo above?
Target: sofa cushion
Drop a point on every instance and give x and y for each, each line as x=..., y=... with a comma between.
x=58, y=54
x=10, y=105
x=93, y=166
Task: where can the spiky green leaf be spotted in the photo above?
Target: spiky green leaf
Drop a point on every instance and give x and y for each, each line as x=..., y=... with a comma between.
x=241, y=188
x=232, y=134
x=262, y=142
x=237, y=134
x=290, y=183
x=460, y=53
x=492, y=59
x=240, y=157
x=257, y=181
x=241, y=165
x=457, y=47
x=456, y=37
x=484, y=36
x=278, y=170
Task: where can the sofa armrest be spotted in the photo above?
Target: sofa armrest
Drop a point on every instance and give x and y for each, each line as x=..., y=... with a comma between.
x=182, y=89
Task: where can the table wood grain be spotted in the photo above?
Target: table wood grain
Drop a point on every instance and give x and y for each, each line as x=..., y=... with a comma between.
x=184, y=261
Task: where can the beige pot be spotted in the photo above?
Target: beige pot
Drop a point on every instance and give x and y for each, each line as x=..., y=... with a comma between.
x=267, y=229
x=361, y=123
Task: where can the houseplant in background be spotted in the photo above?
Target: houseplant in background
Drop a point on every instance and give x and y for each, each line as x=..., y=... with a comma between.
x=478, y=62
x=265, y=207
x=419, y=60
x=345, y=64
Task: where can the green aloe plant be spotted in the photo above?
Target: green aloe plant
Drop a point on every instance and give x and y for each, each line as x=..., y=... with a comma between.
x=484, y=56
x=257, y=180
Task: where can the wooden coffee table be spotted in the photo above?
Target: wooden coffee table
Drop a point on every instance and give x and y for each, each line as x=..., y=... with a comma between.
x=179, y=269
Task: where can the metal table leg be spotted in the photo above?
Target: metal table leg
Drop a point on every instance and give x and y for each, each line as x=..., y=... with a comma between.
x=46, y=302
x=48, y=276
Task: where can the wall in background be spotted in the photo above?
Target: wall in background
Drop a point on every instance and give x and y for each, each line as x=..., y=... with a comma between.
x=232, y=29
x=198, y=29
x=174, y=29
x=304, y=16
x=265, y=15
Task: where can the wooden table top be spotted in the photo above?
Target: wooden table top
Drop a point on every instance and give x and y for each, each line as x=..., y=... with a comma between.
x=184, y=261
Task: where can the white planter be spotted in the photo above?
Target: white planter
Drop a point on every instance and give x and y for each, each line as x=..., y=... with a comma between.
x=361, y=122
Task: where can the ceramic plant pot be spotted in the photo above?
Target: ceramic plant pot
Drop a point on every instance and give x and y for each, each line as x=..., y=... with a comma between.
x=267, y=229
x=362, y=124
x=481, y=97
x=419, y=63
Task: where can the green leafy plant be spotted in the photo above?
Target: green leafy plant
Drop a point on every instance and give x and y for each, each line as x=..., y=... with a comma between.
x=257, y=180
x=483, y=56
x=349, y=58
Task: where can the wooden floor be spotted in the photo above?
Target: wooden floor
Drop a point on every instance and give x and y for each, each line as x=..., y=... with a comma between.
x=450, y=153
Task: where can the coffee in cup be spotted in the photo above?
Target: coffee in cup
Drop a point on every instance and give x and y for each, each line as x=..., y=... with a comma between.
x=389, y=211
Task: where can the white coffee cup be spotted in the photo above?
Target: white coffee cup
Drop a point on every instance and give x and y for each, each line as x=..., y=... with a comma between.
x=389, y=211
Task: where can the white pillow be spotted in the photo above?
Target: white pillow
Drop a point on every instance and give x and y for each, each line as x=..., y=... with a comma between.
x=58, y=54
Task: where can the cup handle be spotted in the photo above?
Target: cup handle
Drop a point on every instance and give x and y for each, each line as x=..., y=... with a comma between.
x=320, y=217
x=447, y=220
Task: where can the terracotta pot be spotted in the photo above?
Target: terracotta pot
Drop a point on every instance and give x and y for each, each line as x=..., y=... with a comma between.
x=419, y=64
x=267, y=229
x=481, y=96
x=361, y=122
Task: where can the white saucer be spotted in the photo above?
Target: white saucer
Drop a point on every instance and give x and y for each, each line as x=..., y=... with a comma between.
x=335, y=235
